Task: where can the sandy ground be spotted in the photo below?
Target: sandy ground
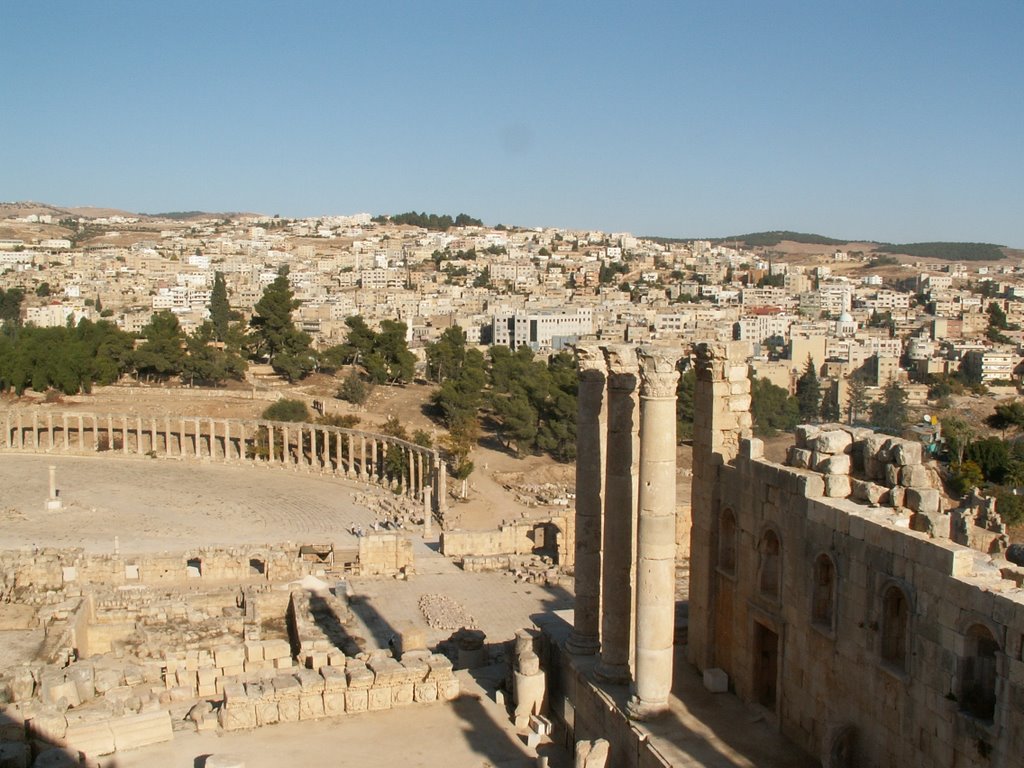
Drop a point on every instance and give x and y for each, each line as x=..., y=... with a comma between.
x=166, y=505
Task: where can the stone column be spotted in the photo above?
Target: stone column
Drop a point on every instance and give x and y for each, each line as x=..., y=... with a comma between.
x=286, y=455
x=721, y=401
x=420, y=480
x=110, y=433
x=152, y=435
x=35, y=431
x=199, y=440
x=49, y=428
x=124, y=435
x=67, y=437
x=442, y=486
x=619, y=525
x=213, y=439
x=140, y=447
x=81, y=433
x=227, y=440
x=591, y=415
x=7, y=430
x=181, y=439
x=656, y=537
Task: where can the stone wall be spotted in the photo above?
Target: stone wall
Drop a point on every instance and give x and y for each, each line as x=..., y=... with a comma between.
x=867, y=642
x=520, y=537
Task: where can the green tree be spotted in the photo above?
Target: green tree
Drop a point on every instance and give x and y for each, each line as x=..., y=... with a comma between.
x=992, y=455
x=964, y=476
x=808, y=392
x=772, y=408
x=446, y=356
x=353, y=389
x=10, y=309
x=830, y=404
x=208, y=362
x=43, y=290
x=685, y=404
x=890, y=414
x=220, y=309
x=958, y=434
x=284, y=346
x=163, y=352
x=1007, y=416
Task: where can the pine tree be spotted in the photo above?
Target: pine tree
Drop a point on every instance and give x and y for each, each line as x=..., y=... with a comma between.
x=220, y=309
x=284, y=346
x=890, y=414
x=808, y=392
x=856, y=399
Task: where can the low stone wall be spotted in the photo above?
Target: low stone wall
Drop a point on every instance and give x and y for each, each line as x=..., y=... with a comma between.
x=521, y=537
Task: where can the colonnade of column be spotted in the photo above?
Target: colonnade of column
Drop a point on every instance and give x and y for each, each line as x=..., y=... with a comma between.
x=625, y=519
x=381, y=459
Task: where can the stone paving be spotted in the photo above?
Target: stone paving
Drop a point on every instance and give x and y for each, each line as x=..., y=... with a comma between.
x=167, y=505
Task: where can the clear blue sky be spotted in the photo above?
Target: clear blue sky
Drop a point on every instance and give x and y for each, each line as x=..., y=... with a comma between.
x=900, y=121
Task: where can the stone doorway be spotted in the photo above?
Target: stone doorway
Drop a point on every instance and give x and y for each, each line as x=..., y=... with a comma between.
x=766, y=666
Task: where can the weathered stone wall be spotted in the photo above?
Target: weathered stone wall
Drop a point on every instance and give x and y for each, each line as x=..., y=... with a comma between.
x=820, y=657
x=521, y=537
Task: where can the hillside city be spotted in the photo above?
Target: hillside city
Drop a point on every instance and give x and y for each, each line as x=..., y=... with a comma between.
x=851, y=332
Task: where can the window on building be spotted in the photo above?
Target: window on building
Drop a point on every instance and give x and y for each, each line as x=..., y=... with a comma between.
x=895, y=627
x=978, y=681
x=770, y=576
x=824, y=591
x=727, y=541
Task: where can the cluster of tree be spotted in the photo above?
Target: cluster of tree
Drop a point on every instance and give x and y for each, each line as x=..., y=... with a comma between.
x=275, y=338
x=431, y=221
x=383, y=356
x=772, y=281
x=609, y=271
x=769, y=239
x=530, y=404
x=997, y=323
x=70, y=360
x=946, y=251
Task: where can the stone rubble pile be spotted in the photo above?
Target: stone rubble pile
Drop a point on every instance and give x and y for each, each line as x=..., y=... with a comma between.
x=441, y=612
x=868, y=467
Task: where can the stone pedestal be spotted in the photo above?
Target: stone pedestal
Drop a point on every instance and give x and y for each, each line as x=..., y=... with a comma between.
x=590, y=458
x=656, y=540
x=53, y=503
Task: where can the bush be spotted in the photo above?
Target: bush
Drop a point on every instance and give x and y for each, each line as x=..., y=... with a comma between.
x=353, y=389
x=287, y=410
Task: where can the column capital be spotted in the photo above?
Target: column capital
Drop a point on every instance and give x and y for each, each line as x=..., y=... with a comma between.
x=622, y=365
x=590, y=361
x=659, y=374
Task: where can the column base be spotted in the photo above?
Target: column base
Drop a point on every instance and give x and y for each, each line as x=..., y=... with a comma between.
x=613, y=674
x=582, y=645
x=637, y=709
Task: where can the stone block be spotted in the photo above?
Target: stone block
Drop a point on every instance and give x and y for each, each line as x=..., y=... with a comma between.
x=356, y=700
x=14, y=755
x=915, y=476
x=334, y=679
x=235, y=670
x=334, y=703
x=838, y=464
x=402, y=694
x=311, y=706
x=234, y=694
x=93, y=739
x=254, y=651
x=108, y=678
x=359, y=676
x=276, y=649
x=716, y=680
x=23, y=685
x=134, y=731
x=906, y=452
x=424, y=693
x=876, y=446
x=82, y=675
x=837, y=486
x=310, y=681
x=286, y=687
x=805, y=433
x=892, y=475
x=447, y=690
x=834, y=441
x=229, y=656
x=924, y=500
x=897, y=496
x=63, y=694
x=47, y=725
x=316, y=660
x=379, y=698
x=385, y=671
x=799, y=457
x=284, y=662
x=238, y=718
x=288, y=710
x=866, y=491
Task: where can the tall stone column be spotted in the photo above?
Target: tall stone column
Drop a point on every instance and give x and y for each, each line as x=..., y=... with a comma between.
x=721, y=401
x=619, y=526
x=442, y=486
x=181, y=440
x=67, y=438
x=124, y=435
x=49, y=429
x=81, y=433
x=591, y=415
x=199, y=440
x=364, y=471
x=656, y=536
